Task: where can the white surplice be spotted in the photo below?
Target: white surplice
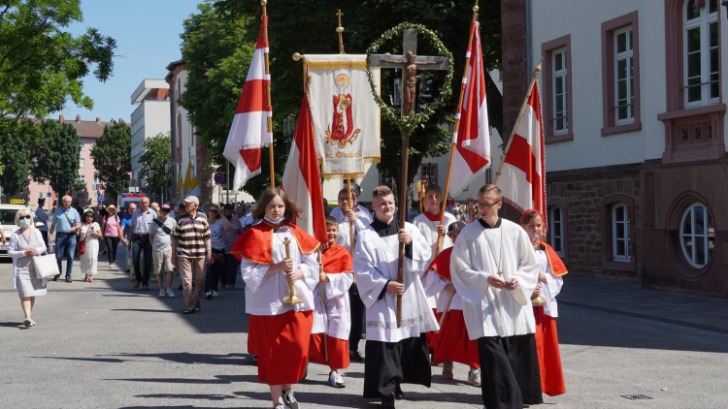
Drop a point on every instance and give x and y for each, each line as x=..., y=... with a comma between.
x=428, y=228
x=551, y=288
x=333, y=315
x=480, y=252
x=375, y=263
x=265, y=295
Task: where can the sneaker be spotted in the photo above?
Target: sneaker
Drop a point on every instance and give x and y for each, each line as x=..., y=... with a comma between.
x=447, y=370
x=162, y=293
x=279, y=406
x=474, y=377
x=289, y=399
x=335, y=380
x=170, y=293
x=214, y=293
x=208, y=295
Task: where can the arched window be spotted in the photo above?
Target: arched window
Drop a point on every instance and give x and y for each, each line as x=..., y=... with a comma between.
x=697, y=235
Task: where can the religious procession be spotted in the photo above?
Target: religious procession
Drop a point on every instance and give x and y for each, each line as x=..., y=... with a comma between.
x=425, y=293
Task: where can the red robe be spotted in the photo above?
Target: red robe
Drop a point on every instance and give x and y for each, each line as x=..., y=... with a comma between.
x=547, y=338
x=289, y=332
x=336, y=260
x=453, y=343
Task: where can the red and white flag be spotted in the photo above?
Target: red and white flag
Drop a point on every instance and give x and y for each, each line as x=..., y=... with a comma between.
x=523, y=174
x=472, y=138
x=301, y=177
x=249, y=131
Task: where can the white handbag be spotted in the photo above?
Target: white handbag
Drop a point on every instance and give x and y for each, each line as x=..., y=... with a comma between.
x=45, y=266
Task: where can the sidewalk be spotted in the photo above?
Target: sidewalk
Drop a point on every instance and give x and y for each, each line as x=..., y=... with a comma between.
x=629, y=298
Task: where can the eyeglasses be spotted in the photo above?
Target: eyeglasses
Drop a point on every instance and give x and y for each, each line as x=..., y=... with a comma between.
x=89, y=215
x=486, y=204
x=25, y=217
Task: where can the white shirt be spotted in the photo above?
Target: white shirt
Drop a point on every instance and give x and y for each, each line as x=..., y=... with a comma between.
x=360, y=211
x=551, y=288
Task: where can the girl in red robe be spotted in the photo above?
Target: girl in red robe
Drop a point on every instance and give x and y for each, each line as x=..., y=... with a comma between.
x=550, y=281
x=274, y=254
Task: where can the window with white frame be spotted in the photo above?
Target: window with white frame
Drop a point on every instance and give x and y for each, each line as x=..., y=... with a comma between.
x=80, y=146
x=560, y=91
x=81, y=162
x=624, y=75
x=701, y=48
x=697, y=235
x=620, y=233
x=556, y=229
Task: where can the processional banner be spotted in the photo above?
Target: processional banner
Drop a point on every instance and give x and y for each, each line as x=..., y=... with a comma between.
x=346, y=118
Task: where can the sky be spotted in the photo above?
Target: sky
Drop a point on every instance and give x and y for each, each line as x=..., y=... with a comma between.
x=147, y=34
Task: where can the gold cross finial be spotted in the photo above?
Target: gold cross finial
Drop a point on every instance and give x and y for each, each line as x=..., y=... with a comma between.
x=340, y=30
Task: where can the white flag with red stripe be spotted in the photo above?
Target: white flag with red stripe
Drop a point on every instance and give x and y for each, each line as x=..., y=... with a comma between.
x=472, y=138
x=523, y=174
x=302, y=179
x=249, y=131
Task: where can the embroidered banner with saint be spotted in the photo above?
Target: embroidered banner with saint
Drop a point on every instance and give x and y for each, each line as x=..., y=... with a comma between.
x=345, y=116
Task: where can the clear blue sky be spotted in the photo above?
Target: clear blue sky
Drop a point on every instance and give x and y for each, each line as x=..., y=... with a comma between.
x=147, y=34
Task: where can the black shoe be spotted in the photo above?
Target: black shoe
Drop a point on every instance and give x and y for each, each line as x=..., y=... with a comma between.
x=398, y=393
x=198, y=308
x=56, y=277
x=388, y=402
x=68, y=280
x=188, y=311
x=355, y=356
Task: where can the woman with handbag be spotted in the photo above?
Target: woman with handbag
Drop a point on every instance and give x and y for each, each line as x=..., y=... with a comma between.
x=25, y=243
x=88, y=246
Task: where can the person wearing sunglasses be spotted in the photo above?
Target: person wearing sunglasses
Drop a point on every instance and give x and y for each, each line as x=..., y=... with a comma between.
x=25, y=243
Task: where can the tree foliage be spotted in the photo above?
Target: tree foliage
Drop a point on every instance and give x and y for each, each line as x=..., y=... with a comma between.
x=112, y=158
x=17, y=140
x=42, y=66
x=57, y=157
x=218, y=41
x=156, y=162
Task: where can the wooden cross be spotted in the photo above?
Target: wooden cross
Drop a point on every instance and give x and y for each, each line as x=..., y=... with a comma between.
x=340, y=31
x=409, y=62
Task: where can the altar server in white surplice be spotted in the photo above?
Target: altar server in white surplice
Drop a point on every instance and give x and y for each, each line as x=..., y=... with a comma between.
x=494, y=269
x=393, y=355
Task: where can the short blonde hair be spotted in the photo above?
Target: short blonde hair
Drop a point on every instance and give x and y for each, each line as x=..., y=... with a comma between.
x=489, y=188
x=23, y=212
x=380, y=191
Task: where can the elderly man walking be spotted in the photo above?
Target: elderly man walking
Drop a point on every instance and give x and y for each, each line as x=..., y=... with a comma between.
x=140, y=245
x=66, y=224
x=191, y=248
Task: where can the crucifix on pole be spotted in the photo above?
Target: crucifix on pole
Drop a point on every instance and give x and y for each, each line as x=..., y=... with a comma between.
x=409, y=62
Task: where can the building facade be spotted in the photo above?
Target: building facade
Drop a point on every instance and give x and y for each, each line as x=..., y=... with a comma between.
x=150, y=118
x=635, y=124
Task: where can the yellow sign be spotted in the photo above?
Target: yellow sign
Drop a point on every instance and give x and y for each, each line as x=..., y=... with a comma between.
x=17, y=201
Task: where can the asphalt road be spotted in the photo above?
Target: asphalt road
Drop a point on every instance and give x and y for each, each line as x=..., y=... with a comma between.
x=106, y=345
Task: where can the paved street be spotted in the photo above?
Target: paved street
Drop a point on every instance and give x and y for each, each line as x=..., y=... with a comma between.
x=106, y=345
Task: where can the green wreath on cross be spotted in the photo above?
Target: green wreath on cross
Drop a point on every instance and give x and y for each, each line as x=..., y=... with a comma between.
x=408, y=123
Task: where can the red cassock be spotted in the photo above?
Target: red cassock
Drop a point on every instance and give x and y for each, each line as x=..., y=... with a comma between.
x=281, y=342
x=453, y=343
x=336, y=260
x=547, y=337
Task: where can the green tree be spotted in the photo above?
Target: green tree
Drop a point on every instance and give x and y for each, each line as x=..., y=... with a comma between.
x=16, y=145
x=207, y=52
x=42, y=66
x=112, y=158
x=57, y=157
x=156, y=162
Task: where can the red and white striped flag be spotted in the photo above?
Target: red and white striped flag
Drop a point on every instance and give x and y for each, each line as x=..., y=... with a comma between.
x=472, y=138
x=249, y=131
x=302, y=179
x=523, y=174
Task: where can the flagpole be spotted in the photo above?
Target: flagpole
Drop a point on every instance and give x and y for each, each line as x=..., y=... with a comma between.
x=457, y=125
x=264, y=3
x=534, y=78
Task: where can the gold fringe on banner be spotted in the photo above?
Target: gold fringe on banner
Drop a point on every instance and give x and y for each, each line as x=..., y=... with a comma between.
x=333, y=65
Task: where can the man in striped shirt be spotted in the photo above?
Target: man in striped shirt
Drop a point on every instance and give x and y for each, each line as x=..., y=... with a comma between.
x=192, y=246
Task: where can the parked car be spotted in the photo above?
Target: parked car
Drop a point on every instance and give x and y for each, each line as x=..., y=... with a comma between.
x=7, y=220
